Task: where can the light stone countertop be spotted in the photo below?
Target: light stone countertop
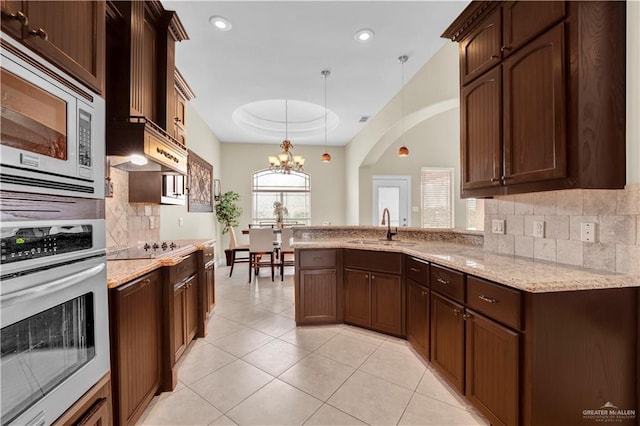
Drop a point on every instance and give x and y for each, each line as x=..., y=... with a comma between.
x=535, y=276
x=122, y=271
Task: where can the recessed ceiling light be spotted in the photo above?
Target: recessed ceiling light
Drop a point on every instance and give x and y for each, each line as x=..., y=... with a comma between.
x=364, y=35
x=220, y=23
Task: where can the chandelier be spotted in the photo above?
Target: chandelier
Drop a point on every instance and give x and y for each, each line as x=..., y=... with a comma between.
x=285, y=162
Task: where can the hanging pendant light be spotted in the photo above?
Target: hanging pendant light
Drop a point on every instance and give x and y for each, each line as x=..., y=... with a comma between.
x=325, y=158
x=285, y=162
x=403, y=151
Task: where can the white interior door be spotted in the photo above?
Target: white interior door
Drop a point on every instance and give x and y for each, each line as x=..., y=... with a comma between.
x=392, y=192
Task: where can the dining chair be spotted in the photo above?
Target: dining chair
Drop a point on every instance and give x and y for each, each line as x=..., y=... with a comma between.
x=286, y=236
x=261, y=246
x=235, y=249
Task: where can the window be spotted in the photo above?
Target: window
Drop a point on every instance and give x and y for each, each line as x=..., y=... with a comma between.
x=436, y=197
x=475, y=214
x=292, y=190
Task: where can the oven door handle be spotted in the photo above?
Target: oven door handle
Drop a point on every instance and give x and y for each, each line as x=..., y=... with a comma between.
x=57, y=285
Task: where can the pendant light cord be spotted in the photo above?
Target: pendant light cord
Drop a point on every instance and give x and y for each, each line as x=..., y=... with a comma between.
x=286, y=119
x=325, y=75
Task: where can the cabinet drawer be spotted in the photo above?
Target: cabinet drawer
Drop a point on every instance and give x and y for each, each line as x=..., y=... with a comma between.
x=417, y=270
x=373, y=261
x=317, y=258
x=495, y=301
x=185, y=268
x=448, y=282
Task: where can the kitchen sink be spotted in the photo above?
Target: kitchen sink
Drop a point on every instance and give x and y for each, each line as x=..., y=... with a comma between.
x=382, y=243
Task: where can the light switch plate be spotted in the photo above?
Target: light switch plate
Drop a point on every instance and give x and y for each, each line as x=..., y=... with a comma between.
x=538, y=229
x=588, y=232
x=497, y=226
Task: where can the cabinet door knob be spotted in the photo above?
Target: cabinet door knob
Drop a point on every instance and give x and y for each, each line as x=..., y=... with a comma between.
x=496, y=180
x=456, y=311
x=20, y=17
x=466, y=316
x=373, y=277
x=495, y=56
x=503, y=48
x=176, y=119
x=366, y=276
x=39, y=33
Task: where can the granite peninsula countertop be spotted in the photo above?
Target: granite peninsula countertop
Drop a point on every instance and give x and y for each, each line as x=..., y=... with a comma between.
x=535, y=276
x=124, y=270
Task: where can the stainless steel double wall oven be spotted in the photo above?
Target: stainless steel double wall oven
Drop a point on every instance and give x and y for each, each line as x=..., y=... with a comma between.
x=53, y=293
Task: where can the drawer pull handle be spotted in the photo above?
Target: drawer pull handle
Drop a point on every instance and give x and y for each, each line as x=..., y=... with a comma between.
x=487, y=299
x=20, y=17
x=424, y=293
x=40, y=33
x=442, y=281
x=415, y=270
x=317, y=259
x=496, y=179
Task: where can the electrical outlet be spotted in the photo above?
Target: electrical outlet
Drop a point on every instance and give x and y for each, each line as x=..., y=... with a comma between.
x=180, y=222
x=497, y=226
x=538, y=229
x=588, y=232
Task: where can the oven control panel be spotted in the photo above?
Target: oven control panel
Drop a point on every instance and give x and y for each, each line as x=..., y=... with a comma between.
x=27, y=243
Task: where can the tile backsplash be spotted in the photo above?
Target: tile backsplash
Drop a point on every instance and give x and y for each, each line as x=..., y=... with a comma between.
x=616, y=214
x=128, y=223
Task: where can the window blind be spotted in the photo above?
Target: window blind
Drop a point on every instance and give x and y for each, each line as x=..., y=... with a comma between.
x=436, y=197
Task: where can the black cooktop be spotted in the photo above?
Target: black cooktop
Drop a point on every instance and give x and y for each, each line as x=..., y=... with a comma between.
x=145, y=251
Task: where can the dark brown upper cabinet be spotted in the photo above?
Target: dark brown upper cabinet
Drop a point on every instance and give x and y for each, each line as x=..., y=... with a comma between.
x=542, y=97
x=141, y=39
x=70, y=34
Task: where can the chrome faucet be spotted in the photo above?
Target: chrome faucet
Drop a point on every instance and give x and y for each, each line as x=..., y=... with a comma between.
x=388, y=223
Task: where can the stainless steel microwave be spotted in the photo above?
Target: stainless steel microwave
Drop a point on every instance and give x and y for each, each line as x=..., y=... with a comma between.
x=52, y=128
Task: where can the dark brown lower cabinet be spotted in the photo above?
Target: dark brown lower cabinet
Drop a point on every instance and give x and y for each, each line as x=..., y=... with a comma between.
x=386, y=303
x=135, y=328
x=357, y=297
x=418, y=302
x=492, y=369
x=210, y=287
x=374, y=300
x=447, y=339
x=318, y=298
x=185, y=314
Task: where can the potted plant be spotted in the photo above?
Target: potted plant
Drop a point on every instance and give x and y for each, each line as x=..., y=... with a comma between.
x=228, y=212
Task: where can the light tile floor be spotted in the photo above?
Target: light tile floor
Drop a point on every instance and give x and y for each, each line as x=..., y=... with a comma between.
x=255, y=367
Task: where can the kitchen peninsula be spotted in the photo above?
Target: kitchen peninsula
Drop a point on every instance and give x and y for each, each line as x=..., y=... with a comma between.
x=157, y=306
x=526, y=341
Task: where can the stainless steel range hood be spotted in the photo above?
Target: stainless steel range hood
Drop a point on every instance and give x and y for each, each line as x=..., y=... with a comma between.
x=138, y=135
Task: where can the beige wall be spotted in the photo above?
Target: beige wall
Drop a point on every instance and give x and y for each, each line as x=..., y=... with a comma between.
x=327, y=180
x=203, y=142
x=430, y=93
x=432, y=143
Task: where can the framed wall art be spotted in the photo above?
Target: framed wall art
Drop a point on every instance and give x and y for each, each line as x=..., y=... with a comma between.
x=200, y=195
